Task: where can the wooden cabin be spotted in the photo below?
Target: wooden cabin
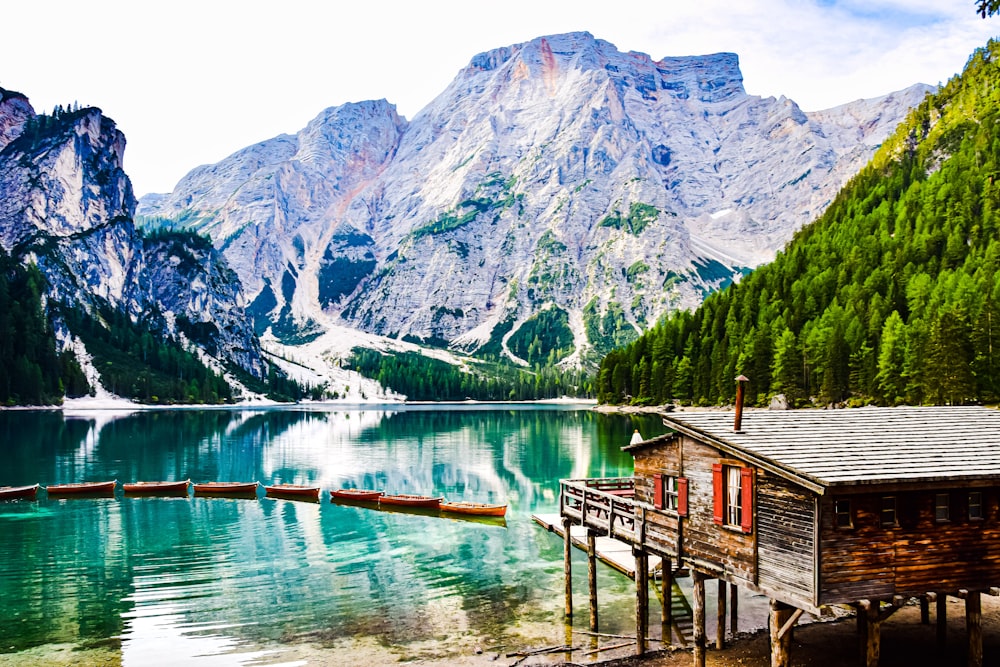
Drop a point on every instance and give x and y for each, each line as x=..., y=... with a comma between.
x=867, y=507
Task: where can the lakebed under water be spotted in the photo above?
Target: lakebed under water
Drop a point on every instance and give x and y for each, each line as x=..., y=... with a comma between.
x=213, y=581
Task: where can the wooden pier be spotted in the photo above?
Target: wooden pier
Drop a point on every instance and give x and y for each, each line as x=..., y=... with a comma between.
x=610, y=551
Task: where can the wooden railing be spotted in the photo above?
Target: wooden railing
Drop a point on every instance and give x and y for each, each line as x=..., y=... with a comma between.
x=605, y=506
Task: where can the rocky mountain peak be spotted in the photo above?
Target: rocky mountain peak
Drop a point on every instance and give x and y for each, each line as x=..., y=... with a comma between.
x=15, y=110
x=559, y=179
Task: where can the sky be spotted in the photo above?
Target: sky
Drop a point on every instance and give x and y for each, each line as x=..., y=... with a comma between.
x=190, y=82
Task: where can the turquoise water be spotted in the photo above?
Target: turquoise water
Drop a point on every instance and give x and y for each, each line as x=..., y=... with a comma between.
x=230, y=581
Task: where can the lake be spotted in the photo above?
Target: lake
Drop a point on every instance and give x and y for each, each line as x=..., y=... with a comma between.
x=211, y=581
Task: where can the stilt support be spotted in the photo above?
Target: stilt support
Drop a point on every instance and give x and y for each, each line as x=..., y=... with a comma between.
x=698, y=580
x=734, y=606
x=592, y=577
x=641, y=599
x=870, y=632
x=782, y=620
x=667, y=610
x=974, y=628
x=568, y=566
x=720, y=616
x=925, y=611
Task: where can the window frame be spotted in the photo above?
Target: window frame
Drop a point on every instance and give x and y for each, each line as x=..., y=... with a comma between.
x=981, y=514
x=942, y=507
x=839, y=512
x=885, y=508
x=733, y=511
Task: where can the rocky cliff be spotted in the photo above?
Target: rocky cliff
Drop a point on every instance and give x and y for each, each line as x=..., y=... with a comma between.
x=556, y=176
x=67, y=205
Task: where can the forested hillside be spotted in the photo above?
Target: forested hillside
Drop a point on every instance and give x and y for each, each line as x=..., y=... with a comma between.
x=891, y=297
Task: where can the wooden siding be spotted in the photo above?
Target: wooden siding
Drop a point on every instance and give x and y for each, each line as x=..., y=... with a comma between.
x=869, y=561
x=717, y=549
x=661, y=525
x=786, y=538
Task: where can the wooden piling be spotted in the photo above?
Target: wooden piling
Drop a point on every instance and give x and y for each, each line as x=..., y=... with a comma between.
x=925, y=611
x=641, y=599
x=780, y=625
x=592, y=577
x=734, y=605
x=667, y=610
x=698, y=580
x=568, y=566
x=720, y=616
x=974, y=628
x=873, y=632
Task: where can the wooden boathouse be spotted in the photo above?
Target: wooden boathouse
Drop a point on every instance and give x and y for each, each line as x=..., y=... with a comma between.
x=867, y=507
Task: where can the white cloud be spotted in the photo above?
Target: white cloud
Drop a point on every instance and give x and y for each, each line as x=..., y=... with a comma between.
x=194, y=80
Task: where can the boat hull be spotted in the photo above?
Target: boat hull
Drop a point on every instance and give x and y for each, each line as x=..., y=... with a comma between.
x=157, y=488
x=293, y=492
x=357, y=495
x=410, y=501
x=19, y=492
x=82, y=489
x=473, y=509
x=231, y=489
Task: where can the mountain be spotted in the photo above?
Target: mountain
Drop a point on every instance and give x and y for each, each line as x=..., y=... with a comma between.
x=889, y=297
x=66, y=206
x=555, y=200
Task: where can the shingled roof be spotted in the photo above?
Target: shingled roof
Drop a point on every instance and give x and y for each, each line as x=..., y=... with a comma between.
x=827, y=448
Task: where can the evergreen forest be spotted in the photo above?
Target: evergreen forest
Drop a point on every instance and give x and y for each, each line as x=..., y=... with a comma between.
x=422, y=378
x=891, y=297
x=31, y=371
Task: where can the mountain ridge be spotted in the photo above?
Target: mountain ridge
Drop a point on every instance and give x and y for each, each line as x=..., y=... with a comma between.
x=555, y=173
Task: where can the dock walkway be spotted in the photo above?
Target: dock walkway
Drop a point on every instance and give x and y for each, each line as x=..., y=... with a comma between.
x=610, y=551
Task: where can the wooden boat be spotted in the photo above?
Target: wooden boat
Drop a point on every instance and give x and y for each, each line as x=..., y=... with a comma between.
x=233, y=489
x=82, y=489
x=157, y=488
x=366, y=495
x=293, y=492
x=476, y=509
x=18, y=492
x=405, y=500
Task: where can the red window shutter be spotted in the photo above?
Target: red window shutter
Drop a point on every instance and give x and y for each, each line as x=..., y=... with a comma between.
x=682, y=496
x=746, y=484
x=658, y=491
x=718, y=494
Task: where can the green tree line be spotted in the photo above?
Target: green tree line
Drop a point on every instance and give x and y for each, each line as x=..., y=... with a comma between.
x=422, y=378
x=31, y=371
x=892, y=296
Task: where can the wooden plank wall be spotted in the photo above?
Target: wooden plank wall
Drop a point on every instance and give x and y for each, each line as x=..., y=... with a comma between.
x=920, y=555
x=704, y=541
x=661, y=526
x=785, y=537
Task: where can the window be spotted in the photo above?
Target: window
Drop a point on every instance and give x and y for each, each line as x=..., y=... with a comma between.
x=942, y=507
x=733, y=496
x=670, y=493
x=842, y=514
x=976, y=505
x=889, y=519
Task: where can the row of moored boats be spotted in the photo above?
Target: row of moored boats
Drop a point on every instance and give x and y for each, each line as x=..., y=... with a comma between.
x=243, y=489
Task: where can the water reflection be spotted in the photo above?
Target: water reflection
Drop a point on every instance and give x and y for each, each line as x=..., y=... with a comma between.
x=212, y=577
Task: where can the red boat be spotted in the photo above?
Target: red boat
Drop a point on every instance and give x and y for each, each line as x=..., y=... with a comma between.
x=82, y=489
x=355, y=494
x=18, y=492
x=234, y=489
x=477, y=509
x=157, y=488
x=293, y=492
x=404, y=500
